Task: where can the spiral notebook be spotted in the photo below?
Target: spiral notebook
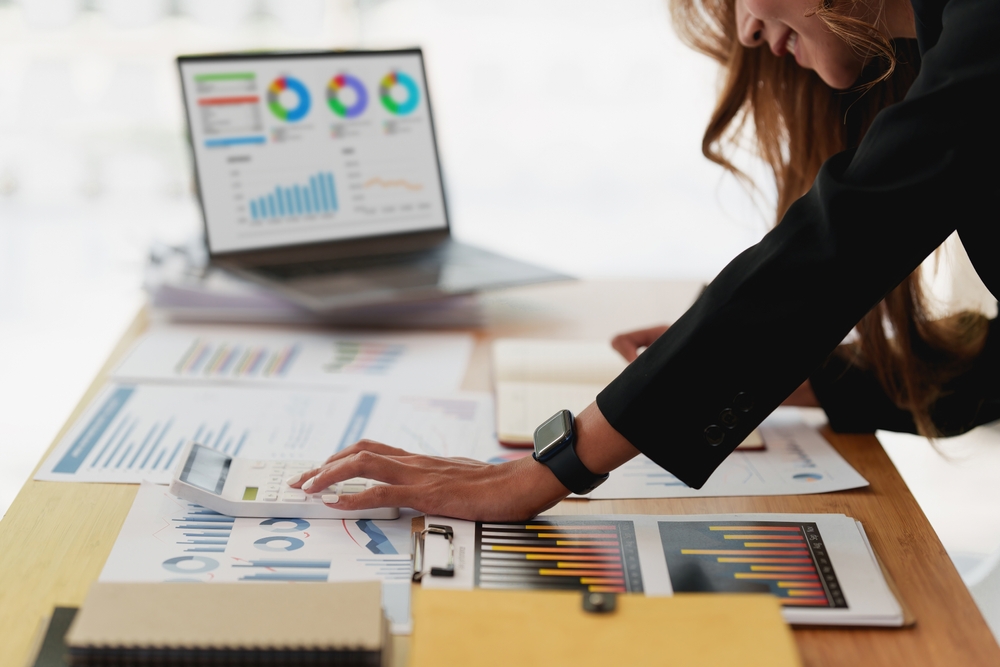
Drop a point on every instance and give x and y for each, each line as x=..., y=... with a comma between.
x=316, y=624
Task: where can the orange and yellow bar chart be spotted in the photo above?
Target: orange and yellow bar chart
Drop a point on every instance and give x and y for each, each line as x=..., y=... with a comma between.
x=558, y=554
x=788, y=560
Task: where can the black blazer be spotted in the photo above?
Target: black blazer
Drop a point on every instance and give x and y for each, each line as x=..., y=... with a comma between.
x=926, y=167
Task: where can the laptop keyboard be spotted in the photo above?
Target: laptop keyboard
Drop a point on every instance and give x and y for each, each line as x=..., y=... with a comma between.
x=377, y=263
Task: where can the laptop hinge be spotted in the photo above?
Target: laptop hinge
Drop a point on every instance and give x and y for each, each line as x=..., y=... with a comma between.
x=354, y=248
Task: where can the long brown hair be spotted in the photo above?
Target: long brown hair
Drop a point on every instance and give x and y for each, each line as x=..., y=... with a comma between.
x=797, y=122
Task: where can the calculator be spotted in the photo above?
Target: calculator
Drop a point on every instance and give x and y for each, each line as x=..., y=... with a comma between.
x=247, y=487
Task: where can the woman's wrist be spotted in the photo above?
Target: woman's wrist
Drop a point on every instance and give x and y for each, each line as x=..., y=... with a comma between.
x=600, y=447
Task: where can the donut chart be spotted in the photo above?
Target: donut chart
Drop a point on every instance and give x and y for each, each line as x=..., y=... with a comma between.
x=284, y=525
x=200, y=564
x=279, y=543
x=339, y=83
x=397, y=78
x=280, y=85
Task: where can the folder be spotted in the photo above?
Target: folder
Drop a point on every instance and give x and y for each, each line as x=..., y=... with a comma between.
x=494, y=628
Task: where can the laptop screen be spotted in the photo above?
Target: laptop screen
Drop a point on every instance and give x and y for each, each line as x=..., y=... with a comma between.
x=308, y=148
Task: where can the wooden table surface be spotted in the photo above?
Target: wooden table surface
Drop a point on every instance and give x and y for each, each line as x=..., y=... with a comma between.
x=56, y=536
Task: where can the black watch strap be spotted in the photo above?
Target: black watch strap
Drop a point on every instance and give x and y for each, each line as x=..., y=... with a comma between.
x=570, y=471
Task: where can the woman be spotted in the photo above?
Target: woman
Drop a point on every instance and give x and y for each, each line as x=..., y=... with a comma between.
x=894, y=185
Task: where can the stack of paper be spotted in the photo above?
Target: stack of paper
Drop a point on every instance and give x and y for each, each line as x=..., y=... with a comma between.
x=183, y=287
x=820, y=566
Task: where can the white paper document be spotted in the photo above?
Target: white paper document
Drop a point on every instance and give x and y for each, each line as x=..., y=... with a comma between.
x=134, y=432
x=165, y=538
x=432, y=362
x=797, y=460
x=820, y=566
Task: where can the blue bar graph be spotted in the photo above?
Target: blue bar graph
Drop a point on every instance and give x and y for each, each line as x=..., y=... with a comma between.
x=318, y=196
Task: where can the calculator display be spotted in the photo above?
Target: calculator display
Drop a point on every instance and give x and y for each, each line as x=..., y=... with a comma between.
x=206, y=468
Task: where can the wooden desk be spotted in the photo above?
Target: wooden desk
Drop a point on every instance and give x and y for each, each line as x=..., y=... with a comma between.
x=56, y=536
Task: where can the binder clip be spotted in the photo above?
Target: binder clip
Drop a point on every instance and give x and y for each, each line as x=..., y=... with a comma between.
x=419, y=539
x=599, y=603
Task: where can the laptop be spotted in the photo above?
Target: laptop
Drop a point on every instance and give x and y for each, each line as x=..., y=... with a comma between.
x=318, y=175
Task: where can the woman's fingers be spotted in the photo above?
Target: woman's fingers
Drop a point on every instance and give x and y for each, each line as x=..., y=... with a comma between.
x=630, y=344
x=460, y=488
x=465, y=490
x=367, y=446
x=383, y=495
x=380, y=467
x=371, y=446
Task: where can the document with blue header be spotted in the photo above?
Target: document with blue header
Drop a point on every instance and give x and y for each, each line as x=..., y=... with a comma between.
x=134, y=431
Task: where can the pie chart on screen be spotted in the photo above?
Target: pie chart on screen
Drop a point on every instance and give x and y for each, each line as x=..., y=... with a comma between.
x=278, y=99
x=394, y=83
x=335, y=94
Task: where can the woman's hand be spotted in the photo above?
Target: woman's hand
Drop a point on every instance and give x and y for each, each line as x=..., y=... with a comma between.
x=463, y=488
x=459, y=488
x=630, y=344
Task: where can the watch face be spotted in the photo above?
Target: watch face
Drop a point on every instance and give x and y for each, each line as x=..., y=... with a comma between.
x=553, y=432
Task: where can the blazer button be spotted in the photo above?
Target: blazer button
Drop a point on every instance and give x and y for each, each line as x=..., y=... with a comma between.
x=728, y=418
x=743, y=402
x=714, y=435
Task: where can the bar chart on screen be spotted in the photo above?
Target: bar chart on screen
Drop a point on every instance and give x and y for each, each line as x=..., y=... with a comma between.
x=557, y=553
x=788, y=560
x=316, y=195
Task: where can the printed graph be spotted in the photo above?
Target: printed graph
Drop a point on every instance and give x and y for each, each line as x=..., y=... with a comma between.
x=788, y=560
x=227, y=360
x=562, y=554
x=352, y=357
x=437, y=426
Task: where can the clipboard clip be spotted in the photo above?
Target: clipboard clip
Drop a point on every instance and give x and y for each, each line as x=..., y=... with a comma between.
x=418, y=552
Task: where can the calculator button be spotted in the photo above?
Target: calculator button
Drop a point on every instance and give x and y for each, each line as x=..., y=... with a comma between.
x=270, y=496
x=293, y=495
x=272, y=487
x=274, y=479
x=277, y=464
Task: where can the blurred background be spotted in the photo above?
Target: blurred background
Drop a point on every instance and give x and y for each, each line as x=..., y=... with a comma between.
x=576, y=123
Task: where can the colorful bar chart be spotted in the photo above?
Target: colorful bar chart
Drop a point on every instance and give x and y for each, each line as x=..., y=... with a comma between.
x=317, y=196
x=226, y=360
x=363, y=357
x=788, y=560
x=562, y=554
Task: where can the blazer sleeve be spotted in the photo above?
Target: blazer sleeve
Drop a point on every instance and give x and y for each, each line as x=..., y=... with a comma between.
x=775, y=313
x=855, y=401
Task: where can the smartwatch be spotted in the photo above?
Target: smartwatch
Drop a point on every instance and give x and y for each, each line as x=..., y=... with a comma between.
x=555, y=442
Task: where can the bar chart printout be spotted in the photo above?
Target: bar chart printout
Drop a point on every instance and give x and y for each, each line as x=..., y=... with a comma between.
x=789, y=560
x=562, y=554
x=317, y=196
x=234, y=360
